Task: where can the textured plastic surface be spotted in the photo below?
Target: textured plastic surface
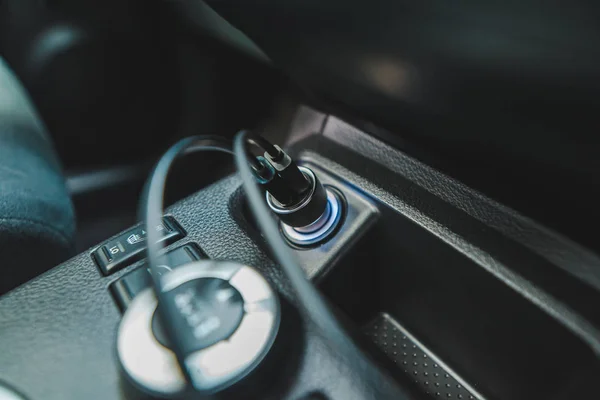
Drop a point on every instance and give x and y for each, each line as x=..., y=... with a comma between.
x=418, y=362
x=63, y=324
x=553, y=272
x=69, y=324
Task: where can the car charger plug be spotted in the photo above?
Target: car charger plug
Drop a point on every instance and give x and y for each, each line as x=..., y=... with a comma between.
x=306, y=208
x=288, y=171
x=309, y=212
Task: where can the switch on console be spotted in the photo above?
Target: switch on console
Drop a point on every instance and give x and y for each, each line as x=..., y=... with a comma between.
x=128, y=247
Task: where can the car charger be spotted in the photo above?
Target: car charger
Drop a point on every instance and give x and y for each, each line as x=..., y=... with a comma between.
x=308, y=211
x=314, y=217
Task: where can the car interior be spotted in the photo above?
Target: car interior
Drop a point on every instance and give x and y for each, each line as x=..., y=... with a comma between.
x=299, y=200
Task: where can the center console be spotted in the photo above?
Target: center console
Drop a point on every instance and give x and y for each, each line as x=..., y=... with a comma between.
x=452, y=294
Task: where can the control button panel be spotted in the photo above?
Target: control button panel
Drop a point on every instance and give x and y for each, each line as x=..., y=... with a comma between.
x=226, y=317
x=129, y=246
x=126, y=288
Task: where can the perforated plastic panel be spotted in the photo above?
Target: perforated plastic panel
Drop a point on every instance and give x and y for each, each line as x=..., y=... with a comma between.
x=411, y=357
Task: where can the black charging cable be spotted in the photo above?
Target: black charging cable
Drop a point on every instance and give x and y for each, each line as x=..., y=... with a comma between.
x=311, y=302
x=151, y=213
x=265, y=145
x=309, y=298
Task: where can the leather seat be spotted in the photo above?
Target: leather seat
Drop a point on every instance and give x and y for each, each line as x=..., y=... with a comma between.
x=37, y=221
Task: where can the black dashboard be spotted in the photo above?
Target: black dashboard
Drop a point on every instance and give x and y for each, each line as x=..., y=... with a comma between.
x=404, y=221
x=453, y=148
